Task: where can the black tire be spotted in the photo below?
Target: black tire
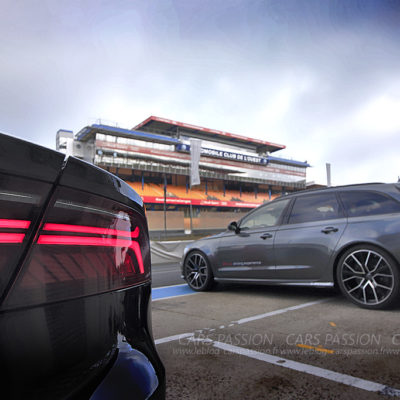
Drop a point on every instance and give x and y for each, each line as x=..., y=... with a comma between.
x=197, y=271
x=369, y=277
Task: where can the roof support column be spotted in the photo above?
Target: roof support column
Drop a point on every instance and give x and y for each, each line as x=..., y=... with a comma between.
x=165, y=206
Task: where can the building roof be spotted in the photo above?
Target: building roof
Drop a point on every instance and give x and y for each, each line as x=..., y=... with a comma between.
x=167, y=137
x=289, y=162
x=175, y=128
x=89, y=131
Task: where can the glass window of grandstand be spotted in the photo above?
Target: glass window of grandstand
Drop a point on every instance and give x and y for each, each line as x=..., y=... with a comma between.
x=315, y=208
x=363, y=203
x=264, y=217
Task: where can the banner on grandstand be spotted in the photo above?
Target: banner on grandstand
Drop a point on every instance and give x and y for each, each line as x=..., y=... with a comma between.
x=198, y=202
x=195, y=150
x=224, y=154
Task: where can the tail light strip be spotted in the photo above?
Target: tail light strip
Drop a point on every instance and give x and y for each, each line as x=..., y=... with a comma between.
x=92, y=241
x=75, y=240
x=13, y=224
x=90, y=229
x=12, y=237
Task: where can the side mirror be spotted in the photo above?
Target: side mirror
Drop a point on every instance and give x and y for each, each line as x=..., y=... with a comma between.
x=233, y=226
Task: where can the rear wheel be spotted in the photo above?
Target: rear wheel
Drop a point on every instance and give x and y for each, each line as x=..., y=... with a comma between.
x=197, y=271
x=369, y=277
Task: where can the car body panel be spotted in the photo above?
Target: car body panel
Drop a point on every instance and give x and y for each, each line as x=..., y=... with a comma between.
x=76, y=341
x=302, y=253
x=21, y=158
x=81, y=175
x=379, y=230
x=246, y=254
x=63, y=330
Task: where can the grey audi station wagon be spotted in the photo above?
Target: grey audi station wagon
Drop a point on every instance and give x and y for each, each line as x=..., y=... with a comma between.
x=346, y=236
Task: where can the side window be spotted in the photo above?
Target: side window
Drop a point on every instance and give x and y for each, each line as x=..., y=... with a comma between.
x=264, y=217
x=317, y=207
x=363, y=203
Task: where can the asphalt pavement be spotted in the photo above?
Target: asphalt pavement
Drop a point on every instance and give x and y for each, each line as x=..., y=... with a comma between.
x=166, y=275
x=260, y=342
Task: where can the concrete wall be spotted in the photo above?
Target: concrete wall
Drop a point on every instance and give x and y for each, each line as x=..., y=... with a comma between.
x=175, y=220
x=213, y=220
x=178, y=222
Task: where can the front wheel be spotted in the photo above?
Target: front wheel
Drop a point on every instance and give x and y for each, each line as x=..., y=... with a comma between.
x=197, y=272
x=369, y=277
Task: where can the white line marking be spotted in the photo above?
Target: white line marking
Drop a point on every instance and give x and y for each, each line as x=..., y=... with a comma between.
x=172, y=338
x=281, y=311
x=172, y=297
x=289, y=364
x=163, y=287
x=174, y=241
x=310, y=369
x=249, y=319
x=164, y=272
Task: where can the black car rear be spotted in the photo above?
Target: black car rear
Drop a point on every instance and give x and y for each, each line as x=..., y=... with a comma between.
x=75, y=281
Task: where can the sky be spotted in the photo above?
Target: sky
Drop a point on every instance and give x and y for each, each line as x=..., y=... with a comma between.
x=321, y=77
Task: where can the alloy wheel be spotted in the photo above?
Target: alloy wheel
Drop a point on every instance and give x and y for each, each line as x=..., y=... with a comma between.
x=196, y=271
x=367, y=277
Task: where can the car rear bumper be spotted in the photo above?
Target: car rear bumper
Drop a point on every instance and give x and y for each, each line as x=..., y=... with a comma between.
x=99, y=345
x=132, y=374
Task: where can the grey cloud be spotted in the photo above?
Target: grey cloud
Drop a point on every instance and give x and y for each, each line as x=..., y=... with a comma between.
x=218, y=64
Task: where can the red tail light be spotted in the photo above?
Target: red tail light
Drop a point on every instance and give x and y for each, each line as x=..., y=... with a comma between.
x=89, y=229
x=93, y=241
x=12, y=237
x=14, y=223
x=87, y=245
x=21, y=201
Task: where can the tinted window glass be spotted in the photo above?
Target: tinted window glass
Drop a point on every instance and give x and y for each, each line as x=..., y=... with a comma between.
x=362, y=203
x=265, y=216
x=315, y=208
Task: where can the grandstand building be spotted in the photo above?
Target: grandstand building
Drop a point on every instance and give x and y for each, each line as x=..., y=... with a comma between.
x=237, y=173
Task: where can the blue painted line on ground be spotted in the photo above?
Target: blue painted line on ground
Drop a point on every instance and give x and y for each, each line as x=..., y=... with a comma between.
x=171, y=291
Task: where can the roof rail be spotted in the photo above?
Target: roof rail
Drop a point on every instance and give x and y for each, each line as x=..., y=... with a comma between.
x=333, y=187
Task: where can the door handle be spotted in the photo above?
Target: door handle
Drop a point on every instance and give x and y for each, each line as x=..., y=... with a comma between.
x=329, y=229
x=266, y=236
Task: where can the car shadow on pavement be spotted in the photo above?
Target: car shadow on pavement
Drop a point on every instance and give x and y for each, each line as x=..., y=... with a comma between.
x=275, y=290
x=293, y=292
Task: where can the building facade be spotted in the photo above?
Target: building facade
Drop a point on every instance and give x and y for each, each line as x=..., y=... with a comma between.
x=237, y=173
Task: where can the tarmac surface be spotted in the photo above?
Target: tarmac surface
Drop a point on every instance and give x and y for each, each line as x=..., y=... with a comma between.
x=166, y=275
x=260, y=342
